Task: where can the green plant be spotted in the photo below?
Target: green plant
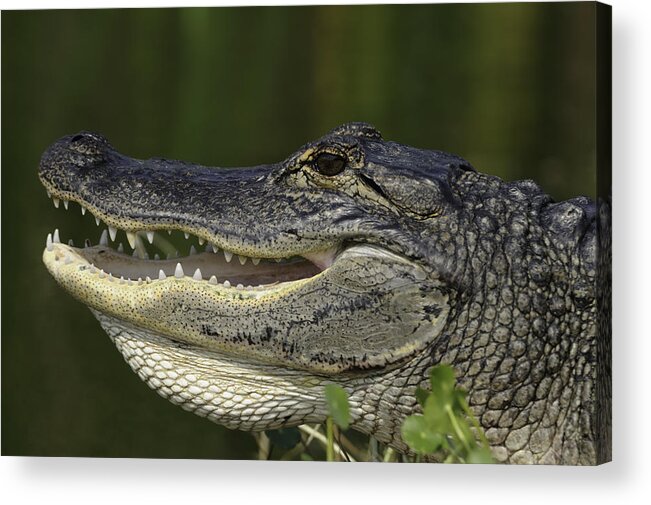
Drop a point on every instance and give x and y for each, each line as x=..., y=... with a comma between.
x=339, y=409
x=444, y=426
x=446, y=430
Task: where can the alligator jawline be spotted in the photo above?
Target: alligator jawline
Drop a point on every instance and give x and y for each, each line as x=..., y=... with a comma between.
x=214, y=265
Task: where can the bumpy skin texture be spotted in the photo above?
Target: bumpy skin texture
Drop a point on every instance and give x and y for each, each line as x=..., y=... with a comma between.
x=435, y=263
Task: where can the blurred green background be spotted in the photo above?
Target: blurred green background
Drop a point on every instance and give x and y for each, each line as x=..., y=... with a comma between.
x=510, y=87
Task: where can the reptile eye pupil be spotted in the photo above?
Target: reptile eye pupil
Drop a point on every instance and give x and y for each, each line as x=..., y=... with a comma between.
x=330, y=164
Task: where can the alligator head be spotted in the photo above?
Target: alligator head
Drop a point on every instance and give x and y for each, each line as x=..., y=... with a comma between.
x=355, y=261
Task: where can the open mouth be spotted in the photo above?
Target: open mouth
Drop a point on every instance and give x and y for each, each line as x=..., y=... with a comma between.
x=148, y=256
x=349, y=307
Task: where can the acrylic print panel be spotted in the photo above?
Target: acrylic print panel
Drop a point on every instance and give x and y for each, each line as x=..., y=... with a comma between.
x=424, y=276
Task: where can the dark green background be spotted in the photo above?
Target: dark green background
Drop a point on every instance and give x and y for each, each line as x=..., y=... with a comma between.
x=508, y=86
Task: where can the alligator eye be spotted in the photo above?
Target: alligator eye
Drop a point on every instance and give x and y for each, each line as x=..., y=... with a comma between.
x=330, y=164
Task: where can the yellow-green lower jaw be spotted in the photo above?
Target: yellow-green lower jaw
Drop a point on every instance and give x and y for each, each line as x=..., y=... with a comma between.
x=177, y=303
x=361, y=312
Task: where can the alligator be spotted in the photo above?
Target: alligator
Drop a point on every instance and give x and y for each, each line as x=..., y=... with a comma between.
x=358, y=262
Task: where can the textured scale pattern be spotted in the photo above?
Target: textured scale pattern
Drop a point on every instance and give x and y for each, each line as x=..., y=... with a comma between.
x=522, y=335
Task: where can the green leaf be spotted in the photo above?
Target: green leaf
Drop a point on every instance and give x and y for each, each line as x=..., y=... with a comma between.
x=436, y=415
x=480, y=455
x=337, y=399
x=421, y=395
x=418, y=435
x=465, y=430
x=442, y=379
x=284, y=437
x=458, y=401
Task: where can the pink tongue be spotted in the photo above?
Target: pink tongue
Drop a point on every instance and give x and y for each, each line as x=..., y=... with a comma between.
x=322, y=259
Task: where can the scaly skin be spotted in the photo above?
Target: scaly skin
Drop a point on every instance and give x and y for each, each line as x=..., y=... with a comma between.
x=415, y=259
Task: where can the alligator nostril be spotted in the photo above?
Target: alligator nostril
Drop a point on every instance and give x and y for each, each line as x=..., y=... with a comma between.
x=88, y=144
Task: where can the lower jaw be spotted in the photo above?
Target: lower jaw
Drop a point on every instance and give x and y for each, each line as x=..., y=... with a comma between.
x=287, y=324
x=178, y=308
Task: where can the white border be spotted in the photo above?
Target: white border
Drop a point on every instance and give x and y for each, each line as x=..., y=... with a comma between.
x=626, y=480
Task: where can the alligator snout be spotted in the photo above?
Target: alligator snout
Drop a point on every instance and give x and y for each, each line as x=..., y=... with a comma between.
x=64, y=161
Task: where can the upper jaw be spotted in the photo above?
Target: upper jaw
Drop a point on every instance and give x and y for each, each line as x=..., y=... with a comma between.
x=238, y=210
x=241, y=217
x=233, y=213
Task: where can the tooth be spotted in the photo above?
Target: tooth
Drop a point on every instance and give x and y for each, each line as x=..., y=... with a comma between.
x=110, y=278
x=71, y=243
x=156, y=257
x=103, y=239
x=83, y=211
x=48, y=242
x=55, y=237
x=92, y=269
x=193, y=250
x=101, y=273
x=56, y=202
x=197, y=275
x=169, y=232
x=120, y=248
x=213, y=279
x=139, y=280
x=228, y=255
x=148, y=279
x=242, y=259
x=68, y=259
x=240, y=286
x=97, y=221
x=150, y=237
x=129, y=282
x=255, y=261
x=161, y=275
x=214, y=248
x=186, y=235
x=169, y=256
x=227, y=284
x=178, y=272
x=87, y=243
x=112, y=233
x=131, y=237
x=65, y=204
x=176, y=254
x=201, y=241
x=121, y=279
x=49, y=195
